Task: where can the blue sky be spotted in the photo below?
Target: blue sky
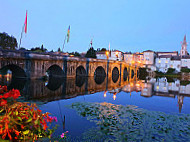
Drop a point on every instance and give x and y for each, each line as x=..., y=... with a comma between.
x=129, y=25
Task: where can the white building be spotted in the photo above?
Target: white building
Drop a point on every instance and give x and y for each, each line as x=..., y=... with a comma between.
x=111, y=55
x=149, y=59
x=133, y=58
x=185, y=61
x=102, y=55
x=164, y=62
x=116, y=55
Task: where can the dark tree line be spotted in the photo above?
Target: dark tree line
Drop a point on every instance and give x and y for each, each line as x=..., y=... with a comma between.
x=91, y=53
x=8, y=42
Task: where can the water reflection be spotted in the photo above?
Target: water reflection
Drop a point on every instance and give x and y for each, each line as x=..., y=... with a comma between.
x=54, y=83
x=80, y=80
x=66, y=88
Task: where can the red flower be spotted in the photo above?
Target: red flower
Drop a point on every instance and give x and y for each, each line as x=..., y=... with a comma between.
x=16, y=132
x=6, y=95
x=4, y=88
x=3, y=102
x=16, y=94
x=1, y=96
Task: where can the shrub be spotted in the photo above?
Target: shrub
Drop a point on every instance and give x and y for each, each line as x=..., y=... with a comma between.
x=170, y=70
x=186, y=70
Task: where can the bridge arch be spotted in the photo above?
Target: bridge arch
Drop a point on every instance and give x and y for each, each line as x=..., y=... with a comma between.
x=115, y=74
x=55, y=70
x=132, y=73
x=125, y=74
x=80, y=71
x=99, y=75
x=17, y=72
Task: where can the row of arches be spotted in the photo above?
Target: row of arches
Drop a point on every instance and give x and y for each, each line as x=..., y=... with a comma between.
x=57, y=71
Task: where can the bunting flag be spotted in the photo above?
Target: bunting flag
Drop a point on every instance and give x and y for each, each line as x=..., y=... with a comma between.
x=68, y=34
x=25, y=24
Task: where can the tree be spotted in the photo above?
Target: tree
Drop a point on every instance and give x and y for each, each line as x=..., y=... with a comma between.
x=76, y=54
x=103, y=49
x=91, y=53
x=7, y=42
x=59, y=50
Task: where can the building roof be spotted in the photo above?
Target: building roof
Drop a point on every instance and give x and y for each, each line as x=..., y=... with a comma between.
x=165, y=56
x=185, y=57
x=101, y=52
x=168, y=52
x=148, y=51
x=176, y=58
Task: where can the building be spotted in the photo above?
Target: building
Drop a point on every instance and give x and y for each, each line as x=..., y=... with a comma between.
x=164, y=62
x=101, y=55
x=111, y=55
x=185, y=61
x=174, y=53
x=149, y=58
x=183, y=51
x=116, y=55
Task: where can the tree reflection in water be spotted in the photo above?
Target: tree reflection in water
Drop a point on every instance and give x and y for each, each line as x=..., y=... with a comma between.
x=80, y=80
x=55, y=83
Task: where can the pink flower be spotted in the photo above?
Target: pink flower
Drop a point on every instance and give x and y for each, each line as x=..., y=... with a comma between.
x=63, y=134
x=55, y=118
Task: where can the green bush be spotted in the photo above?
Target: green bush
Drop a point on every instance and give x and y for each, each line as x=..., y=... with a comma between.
x=185, y=70
x=170, y=70
x=142, y=73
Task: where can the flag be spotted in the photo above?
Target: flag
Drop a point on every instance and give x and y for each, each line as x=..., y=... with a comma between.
x=68, y=34
x=25, y=23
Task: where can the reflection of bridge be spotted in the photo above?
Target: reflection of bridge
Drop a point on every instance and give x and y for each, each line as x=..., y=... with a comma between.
x=24, y=64
x=64, y=88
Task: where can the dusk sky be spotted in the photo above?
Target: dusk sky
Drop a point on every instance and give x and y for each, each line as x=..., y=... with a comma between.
x=129, y=25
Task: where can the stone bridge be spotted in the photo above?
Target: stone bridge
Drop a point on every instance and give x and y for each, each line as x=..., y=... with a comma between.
x=31, y=65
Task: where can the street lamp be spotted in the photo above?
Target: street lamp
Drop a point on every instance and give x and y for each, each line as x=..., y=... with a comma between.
x=116, y=54
x=107, y=54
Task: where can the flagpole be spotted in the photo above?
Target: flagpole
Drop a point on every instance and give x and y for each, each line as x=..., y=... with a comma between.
x=64, y=43
x=21, y=36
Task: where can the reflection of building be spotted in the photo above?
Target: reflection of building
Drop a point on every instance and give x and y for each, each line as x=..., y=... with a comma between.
x=147, y=89
x=180, y=102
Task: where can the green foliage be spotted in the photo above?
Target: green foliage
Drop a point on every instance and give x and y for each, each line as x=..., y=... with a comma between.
x=38, y=49
x=184, y=83
x=91, y=53
x=142, y=73
x=130, y=123
x=170, y=70
x=76, y=54
x=186, y=70
x=7, y=42
x=59, y=50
